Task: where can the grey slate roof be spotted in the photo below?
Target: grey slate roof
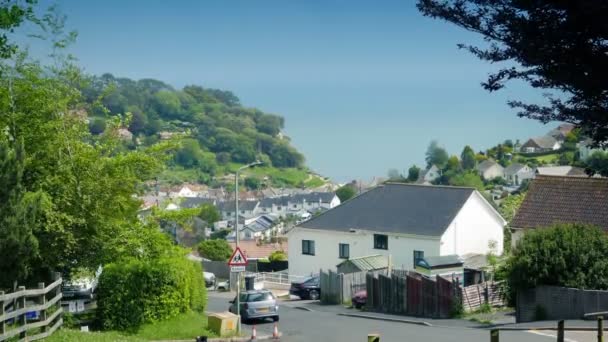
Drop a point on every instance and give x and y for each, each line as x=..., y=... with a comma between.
x=396, y=208
x=323, y=197
x=445, y=260
x=486, y=164
x=513, y=168
x=194, y=202
x=545, y=141
x=243, y=205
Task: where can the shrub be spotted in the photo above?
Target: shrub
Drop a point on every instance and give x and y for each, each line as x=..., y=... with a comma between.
x=216, y=250
x=563, y=255
x=134, y=292
x=277, y=256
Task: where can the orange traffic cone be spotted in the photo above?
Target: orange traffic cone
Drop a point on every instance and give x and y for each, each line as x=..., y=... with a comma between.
x=254, y=334
x=275, y=332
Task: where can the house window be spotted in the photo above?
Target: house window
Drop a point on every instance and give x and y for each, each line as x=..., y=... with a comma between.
x=418, y=255
x=308, y=247
x=380, y=241
x=242, y=211
x=344, y=250
x=295, y=205
x=279, y=208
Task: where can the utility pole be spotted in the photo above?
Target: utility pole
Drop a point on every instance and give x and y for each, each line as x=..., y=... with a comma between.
x=236, y=229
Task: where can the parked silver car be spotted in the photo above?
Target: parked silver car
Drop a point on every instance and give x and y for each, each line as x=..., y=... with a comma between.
x=256, y=304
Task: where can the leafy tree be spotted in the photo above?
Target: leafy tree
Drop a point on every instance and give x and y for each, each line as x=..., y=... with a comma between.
x=97, y=126
x=12, y=15
x=167, y=104
x=453, y=164
x=270, y=124
x=469, y=179
x=19, y=218
x=278, y=256
x=190, y=154
x=468, y=158
x=538, y=40
x=598, y=163
x=346, y=192
x=216, y=250
x=139, y=121
x=436, y=155
x=209, y=213
x=220, y=234
x=252, y=183
x=508, y=208
x=562, y=255
x=413, y=173
x=479, y=157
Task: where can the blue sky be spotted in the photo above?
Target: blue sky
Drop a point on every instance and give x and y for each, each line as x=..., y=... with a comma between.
x=364, y=85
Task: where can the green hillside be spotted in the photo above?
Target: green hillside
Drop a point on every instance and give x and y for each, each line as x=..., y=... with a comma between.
x=215, y=133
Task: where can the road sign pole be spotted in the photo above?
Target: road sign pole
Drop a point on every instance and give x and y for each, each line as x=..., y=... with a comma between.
x=236, y=229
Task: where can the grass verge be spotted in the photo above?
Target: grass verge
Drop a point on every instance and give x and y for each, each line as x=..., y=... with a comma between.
x=183, y=327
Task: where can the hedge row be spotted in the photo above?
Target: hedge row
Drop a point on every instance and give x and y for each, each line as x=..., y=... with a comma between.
x=141, y=291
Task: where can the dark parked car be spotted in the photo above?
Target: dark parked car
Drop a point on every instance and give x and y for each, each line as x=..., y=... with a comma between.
x=256, y=304
x=308, y=288
x=359, y=299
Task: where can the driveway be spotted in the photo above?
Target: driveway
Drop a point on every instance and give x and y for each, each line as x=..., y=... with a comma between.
x=323, y=323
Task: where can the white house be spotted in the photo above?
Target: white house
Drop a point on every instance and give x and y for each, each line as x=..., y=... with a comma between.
x=427, y=176
x=489, y=169
x=405, y=221
x=517, y=173
x=247, y=209
x=295, y=204
x=585, y=150
x=541, y=144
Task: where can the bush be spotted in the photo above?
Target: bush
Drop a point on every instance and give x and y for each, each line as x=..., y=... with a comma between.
x=216, y=250
x=563, y=255
x=278, y=256
x=139, y=291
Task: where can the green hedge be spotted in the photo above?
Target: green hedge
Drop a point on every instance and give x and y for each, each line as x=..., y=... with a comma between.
x=140, y=291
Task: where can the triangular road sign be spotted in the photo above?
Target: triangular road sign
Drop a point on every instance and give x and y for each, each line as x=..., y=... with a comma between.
x=237, y=258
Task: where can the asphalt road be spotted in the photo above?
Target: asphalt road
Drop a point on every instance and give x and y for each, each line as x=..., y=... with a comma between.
x=325, y=325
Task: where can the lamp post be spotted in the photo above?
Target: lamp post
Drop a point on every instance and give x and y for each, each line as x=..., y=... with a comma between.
x=236, y=229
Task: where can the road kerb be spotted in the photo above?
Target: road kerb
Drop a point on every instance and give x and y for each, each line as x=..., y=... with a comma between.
x=229, y=339
x=388, y=319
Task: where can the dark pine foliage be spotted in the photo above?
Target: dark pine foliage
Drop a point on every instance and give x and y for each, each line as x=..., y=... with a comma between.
x=555, y=45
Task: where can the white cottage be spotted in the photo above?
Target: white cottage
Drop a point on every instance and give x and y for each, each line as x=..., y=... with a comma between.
x=407, y=222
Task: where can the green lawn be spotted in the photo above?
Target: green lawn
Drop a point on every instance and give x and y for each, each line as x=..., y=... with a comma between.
x=66, y=335
x=183, y=327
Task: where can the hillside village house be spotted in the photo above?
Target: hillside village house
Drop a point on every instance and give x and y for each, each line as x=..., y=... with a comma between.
x=516, y=173
x=561, y=132
x=489, y=169
x=585, y=149
x=541, y=144
x=429, y=175
x=556, y=199
x=406, y=222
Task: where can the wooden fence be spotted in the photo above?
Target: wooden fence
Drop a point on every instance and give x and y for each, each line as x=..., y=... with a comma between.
x=338, y=288
x=412, y=294
x=474, y=296
x=31, y=314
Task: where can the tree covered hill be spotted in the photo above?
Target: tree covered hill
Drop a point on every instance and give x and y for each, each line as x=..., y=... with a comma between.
x=215, y=131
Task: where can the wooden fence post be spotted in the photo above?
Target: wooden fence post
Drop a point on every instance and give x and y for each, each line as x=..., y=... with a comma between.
x=23, y=316
x=560, y=331
x=600, y=329
x=42, y=301
x=2, y=323
x=494, y=335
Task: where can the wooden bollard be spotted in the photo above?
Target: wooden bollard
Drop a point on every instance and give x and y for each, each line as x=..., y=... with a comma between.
x=600, y=329
x=494, y=336
x=373, y=338
x=560, y=331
